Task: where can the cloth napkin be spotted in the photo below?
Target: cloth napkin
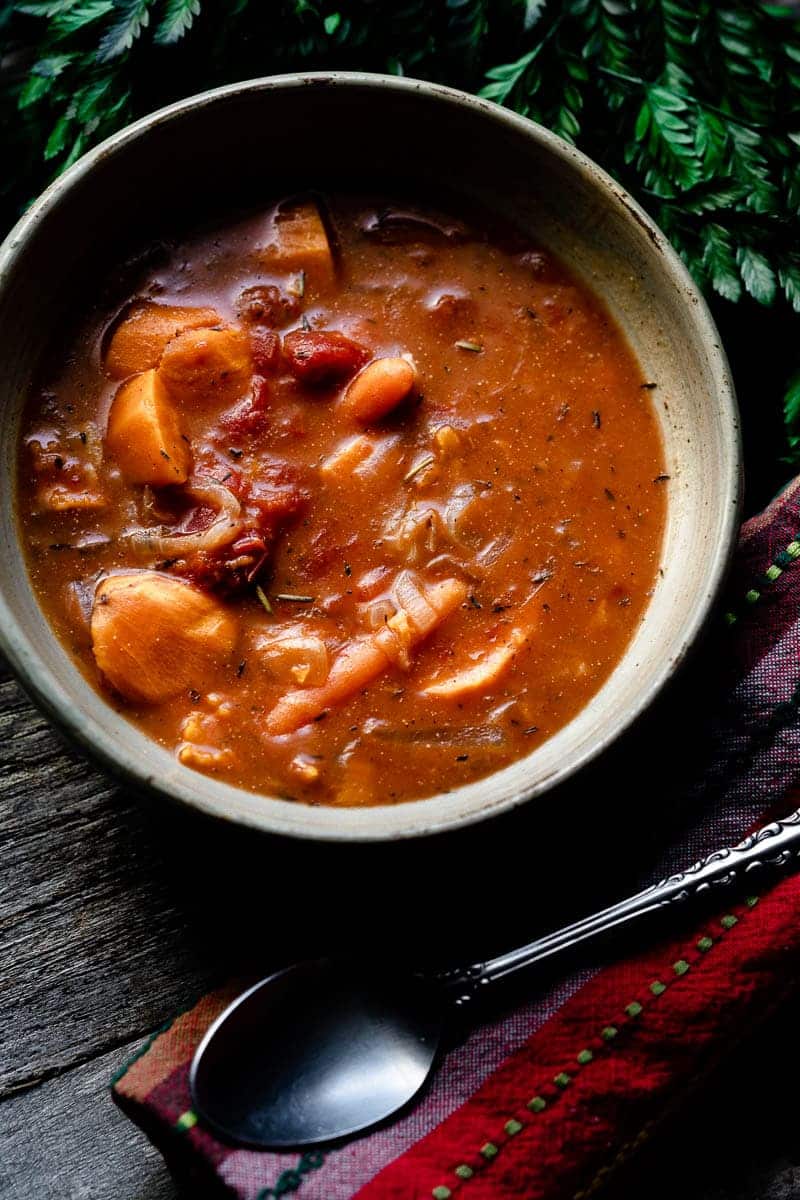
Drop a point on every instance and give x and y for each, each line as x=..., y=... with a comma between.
x=546, y=1100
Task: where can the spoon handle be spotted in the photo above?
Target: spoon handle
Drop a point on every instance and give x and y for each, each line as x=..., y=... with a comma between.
x=773, y=846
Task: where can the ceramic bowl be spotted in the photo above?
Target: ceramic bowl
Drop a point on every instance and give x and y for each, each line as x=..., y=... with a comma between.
x=258, y=138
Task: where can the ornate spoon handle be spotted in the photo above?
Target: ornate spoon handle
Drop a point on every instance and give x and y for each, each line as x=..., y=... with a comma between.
x=773, y=846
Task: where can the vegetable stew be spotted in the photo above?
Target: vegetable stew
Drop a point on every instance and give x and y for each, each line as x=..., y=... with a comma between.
x=350, y=502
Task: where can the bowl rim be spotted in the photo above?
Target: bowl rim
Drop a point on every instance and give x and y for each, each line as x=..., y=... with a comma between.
x=416, y=818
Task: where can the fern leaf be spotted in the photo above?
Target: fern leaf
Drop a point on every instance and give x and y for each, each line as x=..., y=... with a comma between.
x=178, y=18
x=134, y=16
x=719, y=261
x=757, y=274
x=789, y=278
x=80, y=15
x=505, y=80
x=533, y=13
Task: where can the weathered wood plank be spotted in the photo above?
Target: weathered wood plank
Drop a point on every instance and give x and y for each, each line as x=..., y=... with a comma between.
x=93, y=951
x=66, y=1140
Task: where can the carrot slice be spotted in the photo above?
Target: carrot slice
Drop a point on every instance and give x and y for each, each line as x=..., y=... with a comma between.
x=154, y=636
x=361, y=661
x=378, y=388
x=480, y=676
x=139, y=339
x=143, y=433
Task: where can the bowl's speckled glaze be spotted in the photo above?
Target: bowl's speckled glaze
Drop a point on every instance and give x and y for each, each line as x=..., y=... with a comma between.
x=261, y=136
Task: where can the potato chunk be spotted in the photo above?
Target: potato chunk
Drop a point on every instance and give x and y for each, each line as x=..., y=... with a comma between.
x=207, y=365
x=301, y=244
x=154, y=636
x=144, y=435
x=139, y=339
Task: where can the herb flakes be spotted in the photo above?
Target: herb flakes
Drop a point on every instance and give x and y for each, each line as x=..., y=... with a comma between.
x=293, y=597
x=422, y=465
x=264, y=598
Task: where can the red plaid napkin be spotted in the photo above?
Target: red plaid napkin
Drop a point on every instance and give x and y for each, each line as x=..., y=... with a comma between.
x=546, y=1101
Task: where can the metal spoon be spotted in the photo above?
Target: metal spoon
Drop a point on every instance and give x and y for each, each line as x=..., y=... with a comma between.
x=325, y=1049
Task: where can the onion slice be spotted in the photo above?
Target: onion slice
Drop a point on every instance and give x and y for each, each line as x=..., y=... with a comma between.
x=158, y=540
x=411, y=598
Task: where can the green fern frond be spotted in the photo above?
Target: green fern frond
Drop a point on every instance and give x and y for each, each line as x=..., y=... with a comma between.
x=176, y=21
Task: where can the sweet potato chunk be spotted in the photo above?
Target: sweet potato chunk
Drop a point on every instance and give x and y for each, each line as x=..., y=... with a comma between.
x=144, y=435
x=139, y=339
x=207, y=365
x=361, y=661
x=154, y=636
x=300, y=243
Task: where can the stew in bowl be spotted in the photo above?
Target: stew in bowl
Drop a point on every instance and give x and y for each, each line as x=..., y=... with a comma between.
x=351, y=501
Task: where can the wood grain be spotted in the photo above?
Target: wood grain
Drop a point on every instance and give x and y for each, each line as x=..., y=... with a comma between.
x=91, y=956
x=66, y=1140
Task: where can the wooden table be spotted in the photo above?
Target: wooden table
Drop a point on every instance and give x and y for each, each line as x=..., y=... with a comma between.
x=114, y=914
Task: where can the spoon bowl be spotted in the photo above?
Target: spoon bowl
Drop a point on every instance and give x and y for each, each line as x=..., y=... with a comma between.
x=317, y=1051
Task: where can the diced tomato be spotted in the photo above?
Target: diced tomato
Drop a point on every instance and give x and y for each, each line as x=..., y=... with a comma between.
x=322, y=356
x=276, y=504
x=265, y=348
x=261, y=393
x=277, y=471
x=229, y=573
x=249, y=543
x=267, y=305
x=271, y=497
x=327, y=549
x=276, y=492
x=249, y=416
x=198, y=518
x=233, y=568
x=234, y=481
